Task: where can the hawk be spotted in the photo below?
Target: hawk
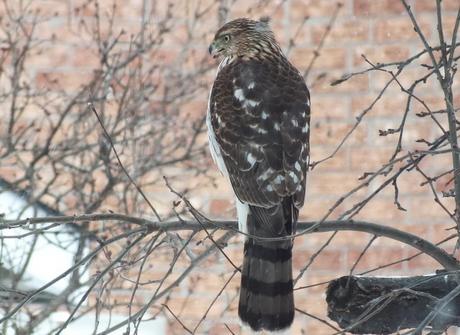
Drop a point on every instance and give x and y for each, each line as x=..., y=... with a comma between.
x=258, y=126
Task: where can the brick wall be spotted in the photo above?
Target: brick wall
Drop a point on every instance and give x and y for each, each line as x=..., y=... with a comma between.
x=378, y=29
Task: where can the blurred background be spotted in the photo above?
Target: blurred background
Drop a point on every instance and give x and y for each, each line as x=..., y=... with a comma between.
x=144, y=67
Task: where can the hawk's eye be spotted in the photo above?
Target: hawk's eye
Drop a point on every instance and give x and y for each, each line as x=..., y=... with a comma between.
x=226, y=38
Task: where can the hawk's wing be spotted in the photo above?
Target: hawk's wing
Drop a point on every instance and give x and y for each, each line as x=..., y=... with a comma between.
x=259, y=113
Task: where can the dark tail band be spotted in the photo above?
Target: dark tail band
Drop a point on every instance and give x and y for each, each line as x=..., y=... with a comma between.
x=266, y=296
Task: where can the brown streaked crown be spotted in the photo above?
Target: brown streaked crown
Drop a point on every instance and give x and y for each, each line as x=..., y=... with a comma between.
x=244, y=37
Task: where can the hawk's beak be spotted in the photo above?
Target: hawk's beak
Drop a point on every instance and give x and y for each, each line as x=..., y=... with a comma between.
x=213, y=51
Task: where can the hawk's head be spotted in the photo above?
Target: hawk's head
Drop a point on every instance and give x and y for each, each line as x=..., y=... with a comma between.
x=243, y=37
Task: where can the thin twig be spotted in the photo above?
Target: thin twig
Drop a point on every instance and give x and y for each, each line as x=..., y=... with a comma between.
x=109, y=138
x=215, y=299
x=177, y=319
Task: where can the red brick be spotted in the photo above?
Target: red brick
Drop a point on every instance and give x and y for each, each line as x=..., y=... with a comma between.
x=316, y=207
x=422, y=264
x=71, y=81
x=85, y=58
x=327, y=260
x=220, y=187
x=132, y=10
x=343, y=33
x=332, y=183
x=413, y=131
x=50, y=8
x=387, y=105
x=383, y=211
x=329, y=58
x=338, y=163
x=448, y=23
x=221, y=207
x=443, y=230
x=372, y=258
x=299, y=9
x=50, y=56
x=383, y=54
x=445, y=183
x=332, y=133
x=43, y=9
x=256, y=10
x=400, y=29
x=410, y=183
x=322, y=106
x=208, y=283
x=377, y=8
x=369, y=158
x=313, y=303
x=427, y=209
x=430, y=6
x=356, y=84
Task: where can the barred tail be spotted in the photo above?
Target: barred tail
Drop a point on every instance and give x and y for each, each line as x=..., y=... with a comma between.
x=266, y=296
